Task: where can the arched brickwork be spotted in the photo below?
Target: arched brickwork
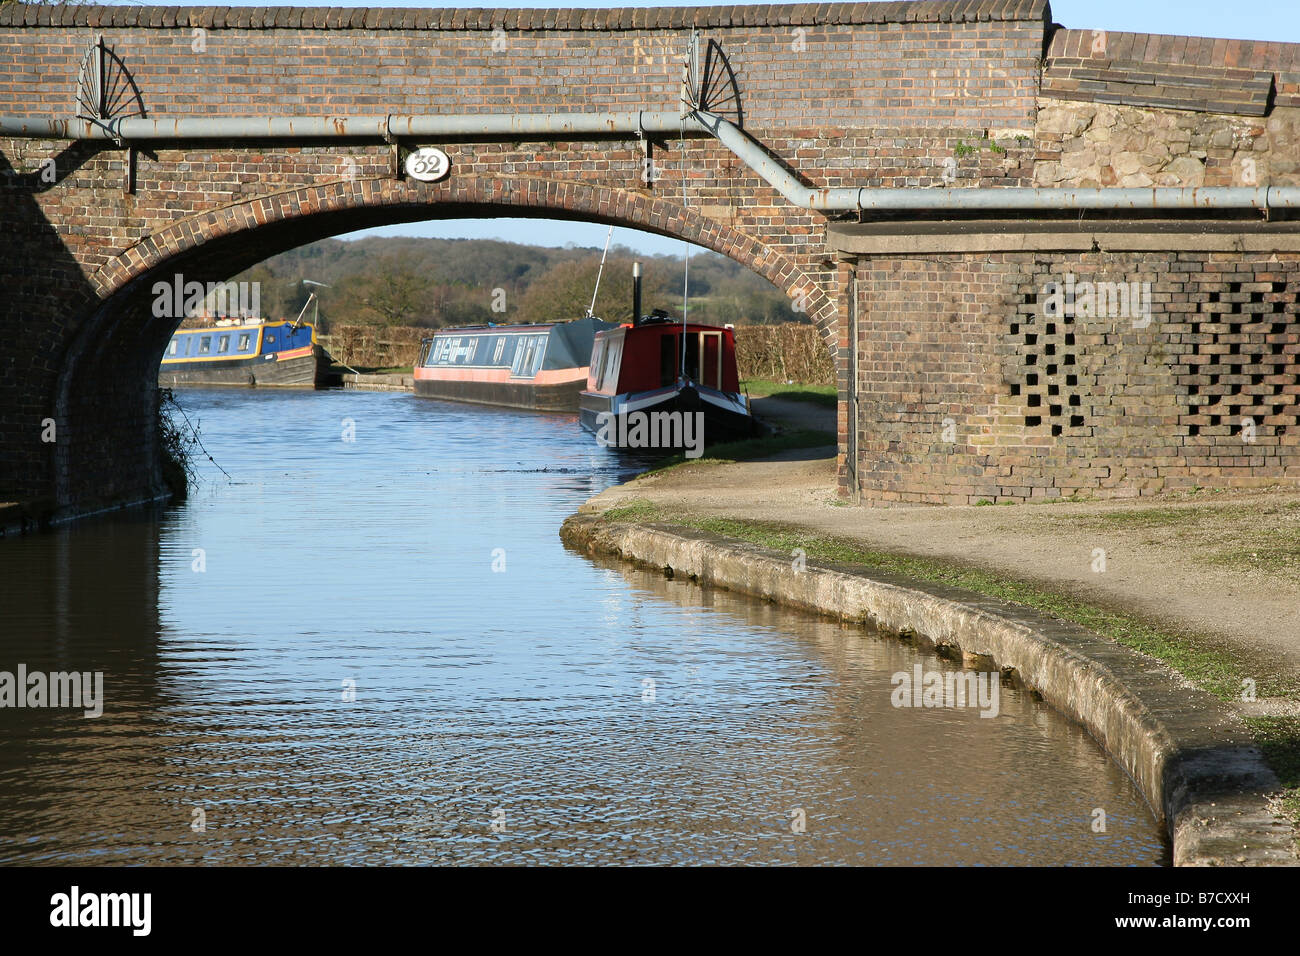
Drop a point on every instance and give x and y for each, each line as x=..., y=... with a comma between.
x=79, y=248
x=106, y=380
x=460, y=198
x=932, y=94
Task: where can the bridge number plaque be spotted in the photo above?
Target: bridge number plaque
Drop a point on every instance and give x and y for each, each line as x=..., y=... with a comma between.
x=427, y=164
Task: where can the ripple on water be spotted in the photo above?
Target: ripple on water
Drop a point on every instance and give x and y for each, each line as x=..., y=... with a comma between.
x=556, y=710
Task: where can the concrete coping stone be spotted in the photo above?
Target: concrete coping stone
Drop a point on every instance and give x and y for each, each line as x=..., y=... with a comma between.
x=1190, y=755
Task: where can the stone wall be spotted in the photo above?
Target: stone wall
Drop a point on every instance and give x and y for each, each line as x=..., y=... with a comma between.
x=1136, y=109
x=1098, y=144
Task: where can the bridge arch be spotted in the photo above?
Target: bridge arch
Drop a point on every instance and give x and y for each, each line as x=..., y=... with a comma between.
x=105, y=390
x=402, y=200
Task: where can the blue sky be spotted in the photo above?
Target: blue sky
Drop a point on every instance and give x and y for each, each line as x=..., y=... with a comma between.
x=1277, y=20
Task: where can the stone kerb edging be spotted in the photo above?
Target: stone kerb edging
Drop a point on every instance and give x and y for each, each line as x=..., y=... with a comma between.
x=1189, y=754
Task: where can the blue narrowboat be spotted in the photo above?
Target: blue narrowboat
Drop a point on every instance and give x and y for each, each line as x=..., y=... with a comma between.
x=247, y=352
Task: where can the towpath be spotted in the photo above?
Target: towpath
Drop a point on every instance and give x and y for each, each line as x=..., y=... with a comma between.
x=1224, y=568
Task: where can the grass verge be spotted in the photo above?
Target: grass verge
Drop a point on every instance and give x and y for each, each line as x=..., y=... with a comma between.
x=750, y=448
x=823, y=395
x=1279, y=740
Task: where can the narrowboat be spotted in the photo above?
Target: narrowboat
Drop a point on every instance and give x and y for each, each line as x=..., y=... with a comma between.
x=643, y=392
x=539, y=367
x=248, y=352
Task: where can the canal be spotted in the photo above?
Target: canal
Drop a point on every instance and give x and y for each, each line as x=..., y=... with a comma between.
x=368, y=645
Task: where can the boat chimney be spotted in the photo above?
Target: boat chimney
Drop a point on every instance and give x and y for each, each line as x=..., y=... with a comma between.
x=636, y=293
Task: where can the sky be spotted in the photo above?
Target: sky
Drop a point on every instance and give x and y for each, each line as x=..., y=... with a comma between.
x=1277, y=20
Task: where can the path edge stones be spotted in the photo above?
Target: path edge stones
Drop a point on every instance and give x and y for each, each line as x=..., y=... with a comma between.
x=1190, y=755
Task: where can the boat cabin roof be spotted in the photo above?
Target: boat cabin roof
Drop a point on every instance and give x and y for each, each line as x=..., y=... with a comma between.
x=495, y=329
x=563, y=345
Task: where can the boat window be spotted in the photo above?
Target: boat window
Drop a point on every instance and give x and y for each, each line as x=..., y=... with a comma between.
x=223, y=344
x=598, y=364
x=478, y=349
x=693, y=357
x=171, y=349
x=528, y=356
x=610, y=374
x=501, y=347
x=711, y=367
x=669, y=358
x=205, y=345
x=524, y=357
x=243, y=342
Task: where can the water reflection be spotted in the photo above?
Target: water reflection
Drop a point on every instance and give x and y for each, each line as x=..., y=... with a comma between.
x=920, y=787
x=513, y=702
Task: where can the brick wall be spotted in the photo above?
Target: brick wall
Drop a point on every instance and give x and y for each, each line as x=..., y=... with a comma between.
x=1151, y=69
x=841, y=92
x=924, y=94
x=972, y=390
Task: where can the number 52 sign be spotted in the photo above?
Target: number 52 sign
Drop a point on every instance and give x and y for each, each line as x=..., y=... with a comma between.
x=427, y=164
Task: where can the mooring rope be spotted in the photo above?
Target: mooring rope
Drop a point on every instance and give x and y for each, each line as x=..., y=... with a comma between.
x=591, y=310
x=686, y=246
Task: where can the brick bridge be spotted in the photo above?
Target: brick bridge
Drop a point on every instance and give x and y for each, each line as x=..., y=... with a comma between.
x=958, y=382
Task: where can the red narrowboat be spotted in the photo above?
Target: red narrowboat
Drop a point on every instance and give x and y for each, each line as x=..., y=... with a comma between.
x=657, y=383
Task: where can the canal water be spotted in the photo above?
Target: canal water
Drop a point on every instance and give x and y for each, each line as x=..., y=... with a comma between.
x=368, y=645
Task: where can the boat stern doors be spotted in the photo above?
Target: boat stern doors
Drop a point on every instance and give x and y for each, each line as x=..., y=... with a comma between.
x=705, y=358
